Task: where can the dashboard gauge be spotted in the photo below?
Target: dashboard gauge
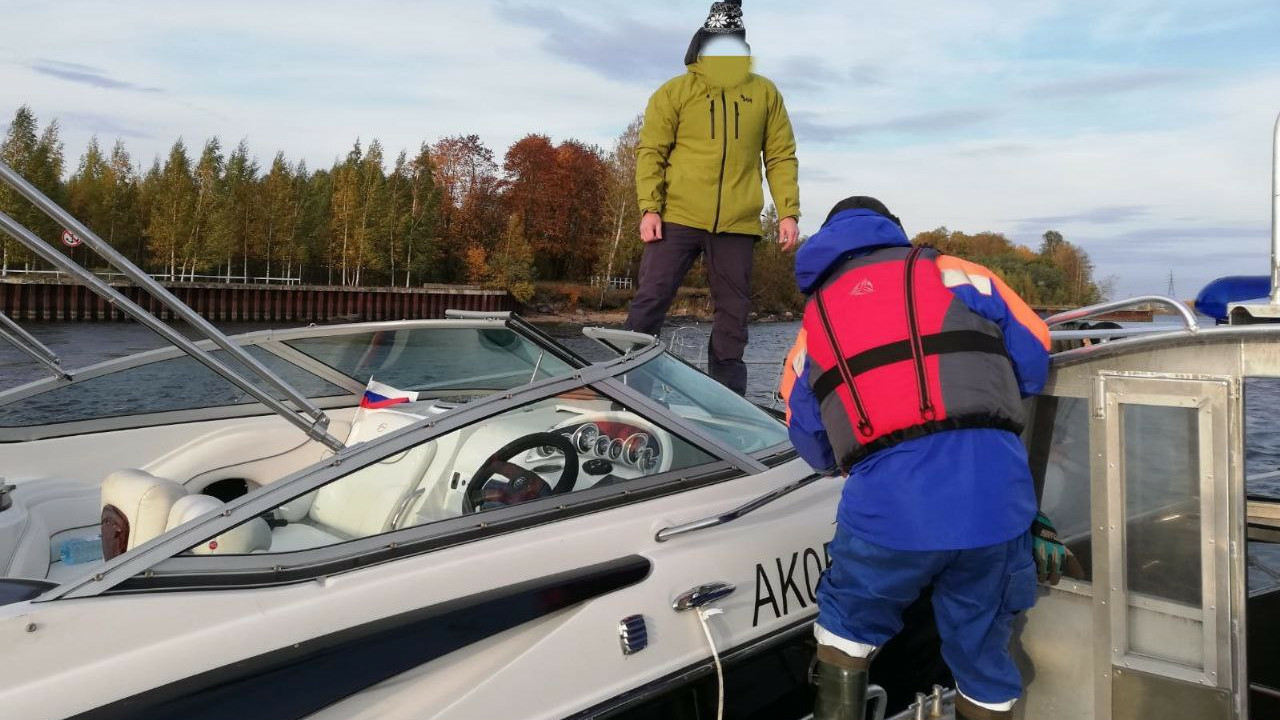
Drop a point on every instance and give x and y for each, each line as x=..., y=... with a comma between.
x=632, y=447
x=648, y=460
x=615, y=449
x=602, y=445
x=584, y=438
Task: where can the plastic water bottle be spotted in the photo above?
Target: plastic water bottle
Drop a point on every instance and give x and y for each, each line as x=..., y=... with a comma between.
x=81, y=550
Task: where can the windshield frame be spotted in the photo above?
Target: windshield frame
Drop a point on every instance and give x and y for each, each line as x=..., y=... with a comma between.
x=157, y=558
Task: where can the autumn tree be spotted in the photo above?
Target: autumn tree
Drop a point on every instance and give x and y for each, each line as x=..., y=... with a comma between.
x=201, y=246
x=620, y=214
x=1060, y=274
x=419, y=225
x=237, y=212
x=582, y=172
x=471, y=203
x=171, y=197
x=773, y=278
x=280, y=195
x=511, y=265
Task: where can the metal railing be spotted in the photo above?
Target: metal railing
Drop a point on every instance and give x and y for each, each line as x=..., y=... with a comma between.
x=1092, y=311
x=309, y=418
x=33, y=348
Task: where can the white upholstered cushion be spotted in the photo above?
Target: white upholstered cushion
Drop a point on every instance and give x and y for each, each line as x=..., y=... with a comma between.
x=145, y=501
x=240, y=540
x=300, y=537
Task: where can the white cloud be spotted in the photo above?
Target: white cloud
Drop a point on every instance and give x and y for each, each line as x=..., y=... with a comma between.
x=963, y=114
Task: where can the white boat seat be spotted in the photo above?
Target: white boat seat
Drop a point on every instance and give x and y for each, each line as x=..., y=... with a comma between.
x=240, y=540
x=135, y=509
x=367, y=502
x=300, y=536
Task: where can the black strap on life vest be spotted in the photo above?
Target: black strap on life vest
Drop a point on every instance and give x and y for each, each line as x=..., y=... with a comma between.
x=844, y=374
x=944, y=343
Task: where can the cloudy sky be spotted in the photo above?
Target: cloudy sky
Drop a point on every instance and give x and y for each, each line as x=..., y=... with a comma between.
x=1141, y=129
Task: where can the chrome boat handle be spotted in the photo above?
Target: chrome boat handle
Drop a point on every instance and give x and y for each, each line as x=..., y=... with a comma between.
x=702, y=595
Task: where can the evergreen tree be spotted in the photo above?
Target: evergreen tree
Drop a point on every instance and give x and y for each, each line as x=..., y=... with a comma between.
x=37, y=156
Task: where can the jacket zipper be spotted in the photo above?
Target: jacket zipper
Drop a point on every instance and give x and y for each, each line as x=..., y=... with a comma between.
x=735, y=119
x=713, y=118
x=724, y=153
x=917, y=343
x=864, y=422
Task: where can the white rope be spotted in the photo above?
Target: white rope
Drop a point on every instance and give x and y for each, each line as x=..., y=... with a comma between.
x=703, y=614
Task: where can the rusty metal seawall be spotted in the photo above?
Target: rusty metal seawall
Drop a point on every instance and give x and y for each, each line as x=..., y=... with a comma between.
x=65, y=301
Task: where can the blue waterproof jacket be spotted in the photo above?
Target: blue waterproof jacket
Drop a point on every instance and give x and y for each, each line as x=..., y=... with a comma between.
x=952, y=490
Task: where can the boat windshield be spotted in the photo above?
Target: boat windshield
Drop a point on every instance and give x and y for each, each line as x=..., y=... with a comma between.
x=697, y=398
x=489, y=359
x=169, y=385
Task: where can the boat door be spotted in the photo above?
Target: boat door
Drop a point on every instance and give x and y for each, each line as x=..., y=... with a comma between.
x=1139, y=463
x=1162, y=624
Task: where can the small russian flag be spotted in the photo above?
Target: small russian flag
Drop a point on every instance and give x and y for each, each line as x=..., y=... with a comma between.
x=377, y=395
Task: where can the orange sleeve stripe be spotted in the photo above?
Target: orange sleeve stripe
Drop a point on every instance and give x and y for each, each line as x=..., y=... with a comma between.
x=790, y=375
x=1021, y=311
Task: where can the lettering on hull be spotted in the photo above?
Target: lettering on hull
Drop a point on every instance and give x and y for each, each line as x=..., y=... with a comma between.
x=789, y=583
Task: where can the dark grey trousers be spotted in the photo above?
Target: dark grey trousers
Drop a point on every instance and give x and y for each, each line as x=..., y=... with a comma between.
x=728, y=261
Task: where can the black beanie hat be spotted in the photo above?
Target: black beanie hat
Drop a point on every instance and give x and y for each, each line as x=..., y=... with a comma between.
x=725, y=18
x=862, y=202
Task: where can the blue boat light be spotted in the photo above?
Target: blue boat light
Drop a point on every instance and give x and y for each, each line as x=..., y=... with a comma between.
x=1217, y=295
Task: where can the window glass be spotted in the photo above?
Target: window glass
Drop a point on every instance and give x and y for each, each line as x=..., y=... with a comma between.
x=708, y=404
x=436, y=358
x=1162, y=516
x=181, y=383
x=1262, y=437
x=572, y=442
x=1060, y=457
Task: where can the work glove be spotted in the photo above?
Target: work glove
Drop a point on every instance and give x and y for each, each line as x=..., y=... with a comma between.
x=1053, y=559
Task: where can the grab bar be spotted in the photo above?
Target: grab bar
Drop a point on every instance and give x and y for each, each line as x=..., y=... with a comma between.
x=667, y=533
x=27, y=343
x=1084, y=313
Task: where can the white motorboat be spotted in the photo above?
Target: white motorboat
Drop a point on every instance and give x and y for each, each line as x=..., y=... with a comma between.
x=530, y=535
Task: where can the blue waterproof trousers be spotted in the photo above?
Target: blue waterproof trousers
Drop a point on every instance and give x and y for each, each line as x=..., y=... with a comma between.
x=977, y=594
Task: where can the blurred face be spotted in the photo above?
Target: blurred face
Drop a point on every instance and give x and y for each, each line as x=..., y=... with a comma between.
x=725, y=46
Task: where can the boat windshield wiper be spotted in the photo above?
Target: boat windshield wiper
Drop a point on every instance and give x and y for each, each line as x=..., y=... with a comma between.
x=309, y=418
x=33, y=348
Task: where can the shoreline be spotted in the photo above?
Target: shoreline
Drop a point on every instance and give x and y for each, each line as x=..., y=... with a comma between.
x=616, y=318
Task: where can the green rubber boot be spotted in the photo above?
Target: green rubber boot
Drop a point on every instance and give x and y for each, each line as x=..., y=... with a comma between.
x=842, y=685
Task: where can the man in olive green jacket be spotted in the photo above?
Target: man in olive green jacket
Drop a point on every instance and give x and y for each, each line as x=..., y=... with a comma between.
x=699, y=184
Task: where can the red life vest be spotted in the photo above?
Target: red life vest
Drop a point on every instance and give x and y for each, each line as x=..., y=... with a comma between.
x=896, y=355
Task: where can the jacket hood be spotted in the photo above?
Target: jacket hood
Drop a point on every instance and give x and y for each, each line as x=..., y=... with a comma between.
x=722, y=71
x=849, y=232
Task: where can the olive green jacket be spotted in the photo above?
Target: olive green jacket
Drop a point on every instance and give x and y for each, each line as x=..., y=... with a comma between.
x=701, y=145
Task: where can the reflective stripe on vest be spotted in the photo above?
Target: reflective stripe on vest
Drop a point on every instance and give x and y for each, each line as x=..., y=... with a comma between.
x=895, y=355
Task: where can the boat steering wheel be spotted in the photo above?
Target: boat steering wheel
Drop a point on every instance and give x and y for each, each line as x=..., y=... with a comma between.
x=522, y=485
